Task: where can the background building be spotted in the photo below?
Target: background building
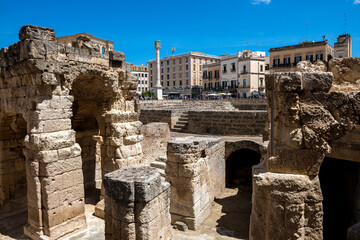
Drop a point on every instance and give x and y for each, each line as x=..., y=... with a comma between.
x=181, y=75
x=342, y=48
x=286, y=58
x=141, y=72
x=211, y=78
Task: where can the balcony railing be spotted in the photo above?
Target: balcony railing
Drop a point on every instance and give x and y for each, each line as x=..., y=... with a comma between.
x=233, y=70
x=244, y=72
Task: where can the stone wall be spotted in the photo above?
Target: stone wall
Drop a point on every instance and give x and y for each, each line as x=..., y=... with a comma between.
x=154, y=143
x=193, y=177
x=45, y=88
x=227, y=122
x=306, y=118
x=164, y=116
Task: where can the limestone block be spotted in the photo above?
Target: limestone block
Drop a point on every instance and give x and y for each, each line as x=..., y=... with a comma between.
x=35, y=32
x=288, y=205
x=320, y=81
x=136, y=204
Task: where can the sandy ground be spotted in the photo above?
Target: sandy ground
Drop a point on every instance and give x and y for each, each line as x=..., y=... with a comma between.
x=229, y=220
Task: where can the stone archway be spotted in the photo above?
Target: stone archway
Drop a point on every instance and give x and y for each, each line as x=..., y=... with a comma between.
x=235, y=202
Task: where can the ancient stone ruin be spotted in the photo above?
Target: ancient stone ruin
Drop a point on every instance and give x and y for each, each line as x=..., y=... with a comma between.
x=67, y=117
x=71, y=135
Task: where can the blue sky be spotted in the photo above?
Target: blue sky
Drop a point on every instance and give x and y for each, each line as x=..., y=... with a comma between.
x=213, y=27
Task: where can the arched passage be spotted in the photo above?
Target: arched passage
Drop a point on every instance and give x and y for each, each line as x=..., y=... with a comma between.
x=239, y=167
x=90, y=96
x=86, y=127
x=340, y=185
x=235, y=202
x=13, y=184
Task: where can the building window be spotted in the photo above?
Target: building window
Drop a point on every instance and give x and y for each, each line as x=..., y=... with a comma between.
x=139, y=89
x=142, y=75
x=167, y=76
x=180, y=83
x=167, y=63
x=261, y=68
x=179, y=60
x=210, y=75
x=162, y=70
x=173, y=83
x=233, y=83
x=310, y=58
x=216, y=85
x=142, y=82
x=205, y=74
x=173, y=75
x=233, y=69
x=187, y=82
x=151, y=84
x=187, y=75
x=319, y=57
x=180, y=68
x=139, y=82
x=287, y=62
x=162, y=77
x=210, y=85
x=142, y=89
x=173, y=61
x=187, y=60
x=297, y=60
x=168, y=83
x=146, y=75
x=224, y=85
x=145, y=71
x=180, y=75
x=194, y=67
x=244, y=69
x=173, y=68
x=217, y=74
x=151, y=65
x=261, y=82
x=145, y=82
x=187, y=67
x=244, y=83
x=168, y=70
x=276, y=62
x=162, y=63
x=224, y=68
x=204, y=85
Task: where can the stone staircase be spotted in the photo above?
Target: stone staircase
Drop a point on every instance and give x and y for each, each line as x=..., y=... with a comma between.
x=160, y=164
x=182, y=124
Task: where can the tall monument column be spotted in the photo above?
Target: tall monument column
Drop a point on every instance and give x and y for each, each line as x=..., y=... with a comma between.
x=158, y=87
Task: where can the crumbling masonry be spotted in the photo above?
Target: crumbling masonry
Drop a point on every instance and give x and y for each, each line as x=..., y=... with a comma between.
x=305, y=118
x=63, y=111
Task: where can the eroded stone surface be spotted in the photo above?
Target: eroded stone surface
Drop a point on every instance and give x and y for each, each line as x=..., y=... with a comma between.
x=62, y=108
x=137, y=204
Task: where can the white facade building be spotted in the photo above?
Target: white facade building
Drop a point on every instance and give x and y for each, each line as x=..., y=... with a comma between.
x=141, y=72
x=243, y=74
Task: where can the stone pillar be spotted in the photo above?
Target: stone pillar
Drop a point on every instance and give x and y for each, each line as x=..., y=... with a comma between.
x=158, y=87
x=287, y=199
x=136, y=204
x=189, y=172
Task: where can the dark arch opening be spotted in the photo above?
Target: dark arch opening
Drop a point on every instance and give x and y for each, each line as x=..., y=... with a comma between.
x=239, y=167
x=236, y=199
x=13, y=183
x=86, y=127
x=340, y=186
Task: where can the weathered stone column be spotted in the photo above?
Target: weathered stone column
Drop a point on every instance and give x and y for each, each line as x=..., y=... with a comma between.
x=189, y=171
x=158, y=87
x=287, y=199
x=136, y=204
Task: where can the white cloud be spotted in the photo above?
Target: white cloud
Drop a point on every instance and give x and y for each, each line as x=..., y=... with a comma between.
x=256, y=2
x=357, y=2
